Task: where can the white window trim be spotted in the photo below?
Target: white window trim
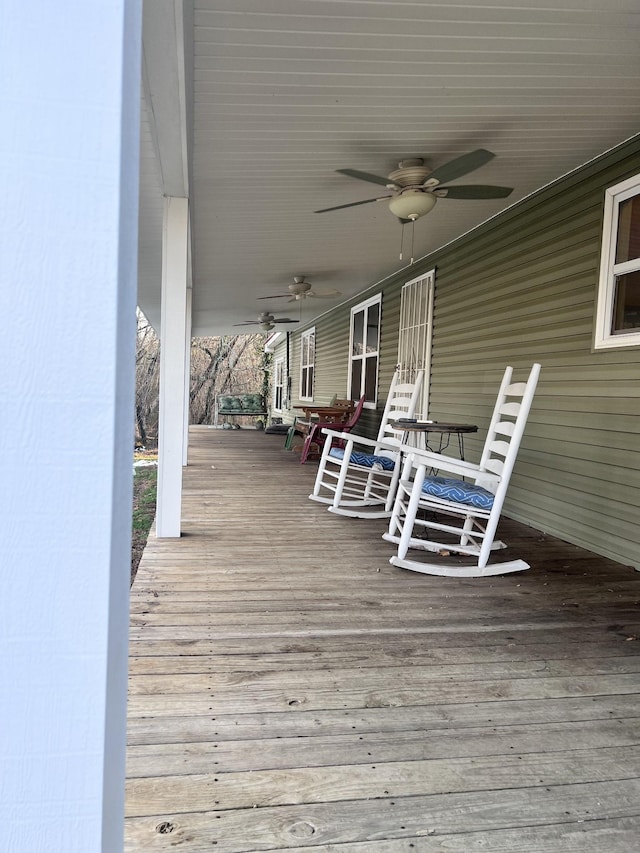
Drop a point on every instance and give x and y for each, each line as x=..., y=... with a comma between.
x=306, y=334
x=603, y=338
x=278, y=363
x=355, y=393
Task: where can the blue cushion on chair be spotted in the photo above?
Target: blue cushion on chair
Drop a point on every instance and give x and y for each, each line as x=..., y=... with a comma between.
x=458, y=491
x=365, y=459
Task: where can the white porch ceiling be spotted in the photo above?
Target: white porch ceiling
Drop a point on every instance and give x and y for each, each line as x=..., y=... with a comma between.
x=272, y=96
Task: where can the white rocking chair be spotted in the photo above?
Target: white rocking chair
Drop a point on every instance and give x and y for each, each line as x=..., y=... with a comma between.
x=472, y=498
x=358, y=476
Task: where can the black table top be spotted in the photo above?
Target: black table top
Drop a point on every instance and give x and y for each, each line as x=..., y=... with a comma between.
x=434, y=426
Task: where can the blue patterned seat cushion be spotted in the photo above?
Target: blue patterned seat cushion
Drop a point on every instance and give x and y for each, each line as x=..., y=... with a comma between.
x=365, y=459
x=458, y=491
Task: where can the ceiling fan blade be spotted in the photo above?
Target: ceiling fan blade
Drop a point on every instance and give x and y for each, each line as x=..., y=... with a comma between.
x=274, y=296
x=364, y=176
x=477, y=191
x=284, y=320
x=352, y=204
x=323, y=294
x=248, y=323
x=461, y=165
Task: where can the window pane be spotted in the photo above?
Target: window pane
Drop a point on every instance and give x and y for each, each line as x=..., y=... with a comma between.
x=371, y=373
x=373, y=321
x=307, y=357
x=626, y=306
x=358, y=333
x=628, y=244
x=356, y=379
x=306, y=388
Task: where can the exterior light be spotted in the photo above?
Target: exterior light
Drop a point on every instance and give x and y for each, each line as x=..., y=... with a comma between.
x=412, y=204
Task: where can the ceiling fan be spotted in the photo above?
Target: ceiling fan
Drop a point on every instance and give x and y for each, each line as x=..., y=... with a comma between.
x=415, y=188
x=266, y=321
x=301, y=289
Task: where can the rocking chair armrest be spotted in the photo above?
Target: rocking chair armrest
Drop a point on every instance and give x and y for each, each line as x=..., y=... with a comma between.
x=361, y=440
x=314, y=429
x=332, y=433
x=447, y=463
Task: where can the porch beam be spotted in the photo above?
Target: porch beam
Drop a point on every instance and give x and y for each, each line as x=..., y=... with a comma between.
x=167, y=59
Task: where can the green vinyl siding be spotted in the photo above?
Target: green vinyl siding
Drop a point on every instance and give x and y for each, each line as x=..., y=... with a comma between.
x=332, y=343
x=522, y=288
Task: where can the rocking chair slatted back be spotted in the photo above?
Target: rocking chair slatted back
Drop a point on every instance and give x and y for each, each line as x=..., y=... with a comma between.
x=474, y=502
x=357, y=476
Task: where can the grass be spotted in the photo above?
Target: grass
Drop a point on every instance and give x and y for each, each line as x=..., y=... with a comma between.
x=143, y=513
x=144, y=509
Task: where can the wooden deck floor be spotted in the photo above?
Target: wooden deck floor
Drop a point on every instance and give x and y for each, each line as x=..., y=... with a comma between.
x=290, y=690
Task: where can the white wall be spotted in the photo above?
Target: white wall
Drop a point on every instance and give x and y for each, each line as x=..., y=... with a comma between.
x=68, y=218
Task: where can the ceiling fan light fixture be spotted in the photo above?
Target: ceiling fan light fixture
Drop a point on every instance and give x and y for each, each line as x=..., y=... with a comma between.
x=300, y=287
x=412, y=204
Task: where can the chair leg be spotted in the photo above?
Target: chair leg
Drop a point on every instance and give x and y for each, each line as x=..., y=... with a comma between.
x=289, y=439
x=396, y=521
x=306, y=447
x=342, y=477
x=320, y=475
x=312, y=437
x=412, y=509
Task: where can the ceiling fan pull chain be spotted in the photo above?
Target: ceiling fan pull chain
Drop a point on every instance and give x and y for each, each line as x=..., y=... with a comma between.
x=413, y=231
x=401, y=238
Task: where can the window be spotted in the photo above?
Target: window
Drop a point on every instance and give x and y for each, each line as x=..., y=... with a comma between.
x=618, y=311
x=307, y=359
x=364, y=352
x=414, y=340
x=278, y=384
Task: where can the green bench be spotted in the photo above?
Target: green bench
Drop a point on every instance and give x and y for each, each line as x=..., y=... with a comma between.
x=239, y=405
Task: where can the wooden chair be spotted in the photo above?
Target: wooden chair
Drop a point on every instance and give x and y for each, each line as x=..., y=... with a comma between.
x=357, y=476
x=340, y=410
x=462, y=510
x=315, y=436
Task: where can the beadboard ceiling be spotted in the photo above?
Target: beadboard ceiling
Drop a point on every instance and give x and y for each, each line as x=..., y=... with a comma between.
x=250, y=106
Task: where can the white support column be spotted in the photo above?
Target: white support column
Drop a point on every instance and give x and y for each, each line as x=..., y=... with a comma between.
x=172, y=367
x=69, y=158
x=187, y=378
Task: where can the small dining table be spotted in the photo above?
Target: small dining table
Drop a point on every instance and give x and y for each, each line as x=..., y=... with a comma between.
x=327, y=413
x=444, y=429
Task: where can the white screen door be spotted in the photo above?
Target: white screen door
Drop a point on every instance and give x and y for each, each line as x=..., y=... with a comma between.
x=414, y=341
